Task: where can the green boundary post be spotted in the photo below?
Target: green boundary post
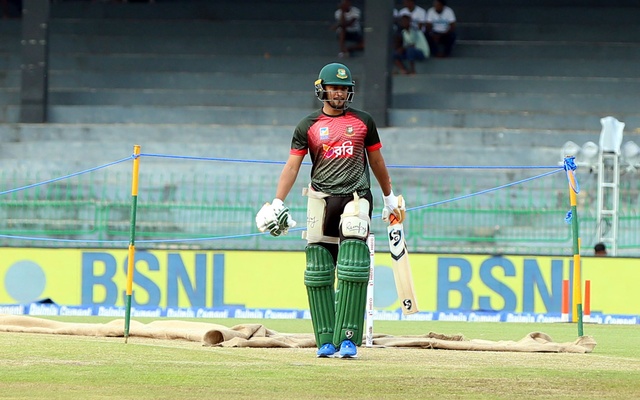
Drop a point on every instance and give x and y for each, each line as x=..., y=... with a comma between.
x=132, y=239
x=577, y=266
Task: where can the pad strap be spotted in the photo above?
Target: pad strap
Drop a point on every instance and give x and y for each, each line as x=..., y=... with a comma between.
x=353, y=277
x=319, y=278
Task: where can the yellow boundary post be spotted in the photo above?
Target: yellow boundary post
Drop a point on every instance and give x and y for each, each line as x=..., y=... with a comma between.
x=577, y=266
x=132, y=239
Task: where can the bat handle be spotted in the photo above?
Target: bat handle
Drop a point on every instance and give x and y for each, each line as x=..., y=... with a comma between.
x=393, y=219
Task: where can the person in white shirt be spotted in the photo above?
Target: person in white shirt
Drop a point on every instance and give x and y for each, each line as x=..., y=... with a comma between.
x=441, y=28
x=348, y=28
x=417, y=13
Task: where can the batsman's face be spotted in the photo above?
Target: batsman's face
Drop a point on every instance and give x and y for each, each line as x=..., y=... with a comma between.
x=337, y=95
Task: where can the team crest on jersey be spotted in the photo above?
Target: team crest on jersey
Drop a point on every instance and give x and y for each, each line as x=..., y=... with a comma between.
x=324, y=133
x=342, y=73
x=350, y=131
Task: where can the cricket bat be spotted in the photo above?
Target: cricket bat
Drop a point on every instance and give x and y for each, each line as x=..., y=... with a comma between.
x=401, y=266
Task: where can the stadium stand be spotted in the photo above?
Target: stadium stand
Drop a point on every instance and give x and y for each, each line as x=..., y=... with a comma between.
x=180, y=75
x=515, y=68
x=9, y=70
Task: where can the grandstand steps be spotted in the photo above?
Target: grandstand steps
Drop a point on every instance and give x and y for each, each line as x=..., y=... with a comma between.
x=226, y=115
x=91, y=144
x=151, y=114
x=184, y=98
x=115, y=64
x=9, y=96
x=263, y=135
x=530, y=65
x=517, y=65
x=575, y=14
x=559, y=85
x=200, y=30
x=540, y=52
x=220, y=10
x=106, y=44
x=463, y=118
x=613, y=33
x=178, y=80
x=590, y=103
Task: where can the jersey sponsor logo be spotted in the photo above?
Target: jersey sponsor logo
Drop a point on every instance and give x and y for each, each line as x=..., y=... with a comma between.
x=345, y=150
x=350, y=131
x=324, y=133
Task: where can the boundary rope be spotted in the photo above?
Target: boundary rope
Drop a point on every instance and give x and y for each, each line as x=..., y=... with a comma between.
x=556, y=169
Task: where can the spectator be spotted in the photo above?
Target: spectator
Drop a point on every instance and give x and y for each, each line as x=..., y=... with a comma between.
x=412, y=46
x=441, y=28
x=417, y=13
x=348, y=29
x=600, y=250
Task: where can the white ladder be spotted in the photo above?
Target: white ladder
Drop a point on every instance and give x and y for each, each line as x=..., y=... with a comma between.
x=608, y=198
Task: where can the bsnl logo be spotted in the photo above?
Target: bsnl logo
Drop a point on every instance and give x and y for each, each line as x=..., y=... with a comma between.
x=200, y=282
x=100, y=287
x=456, y=275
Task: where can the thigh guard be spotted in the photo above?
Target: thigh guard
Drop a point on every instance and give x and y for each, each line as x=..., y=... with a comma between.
x=316, y=211
x=355, y=221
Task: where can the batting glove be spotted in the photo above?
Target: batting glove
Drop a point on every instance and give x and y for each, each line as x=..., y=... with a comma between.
x=275, y=218
x=393, y=205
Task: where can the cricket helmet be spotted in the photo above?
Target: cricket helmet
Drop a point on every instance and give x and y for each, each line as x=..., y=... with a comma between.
x=334, y=74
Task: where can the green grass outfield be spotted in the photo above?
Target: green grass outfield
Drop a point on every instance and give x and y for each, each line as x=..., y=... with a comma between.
x=34, y=366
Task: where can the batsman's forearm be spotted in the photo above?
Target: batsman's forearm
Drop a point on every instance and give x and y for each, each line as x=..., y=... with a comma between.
x=288, y=176
x=384, y=180
x=379, y=168
x=287, y=179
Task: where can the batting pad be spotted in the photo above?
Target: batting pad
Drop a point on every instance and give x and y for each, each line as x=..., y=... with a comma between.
x=353, y=277
x=319, y=279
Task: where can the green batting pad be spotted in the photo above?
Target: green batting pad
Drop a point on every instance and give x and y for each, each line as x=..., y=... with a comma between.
x=353, y=277
x=319, y=279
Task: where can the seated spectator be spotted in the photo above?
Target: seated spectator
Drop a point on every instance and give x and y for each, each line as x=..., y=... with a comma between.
x=418, y=15
x=441, y=29
x=412, y=47
x=348, y=29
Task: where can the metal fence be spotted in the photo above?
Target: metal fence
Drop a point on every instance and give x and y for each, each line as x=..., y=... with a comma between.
x=216, y=211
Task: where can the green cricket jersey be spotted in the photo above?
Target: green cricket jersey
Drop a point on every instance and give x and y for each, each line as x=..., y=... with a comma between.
x=338, y=149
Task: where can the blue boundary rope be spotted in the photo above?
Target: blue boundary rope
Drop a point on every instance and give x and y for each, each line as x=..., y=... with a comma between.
x=66, y=176
x=567, y=167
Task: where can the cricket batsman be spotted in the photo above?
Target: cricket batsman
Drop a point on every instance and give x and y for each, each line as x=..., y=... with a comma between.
x=342, y=143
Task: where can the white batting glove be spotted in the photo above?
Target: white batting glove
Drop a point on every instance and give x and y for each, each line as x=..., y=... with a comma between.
x=283, y=217
x=275, y=218
x=266, y=218
x=393, y=205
